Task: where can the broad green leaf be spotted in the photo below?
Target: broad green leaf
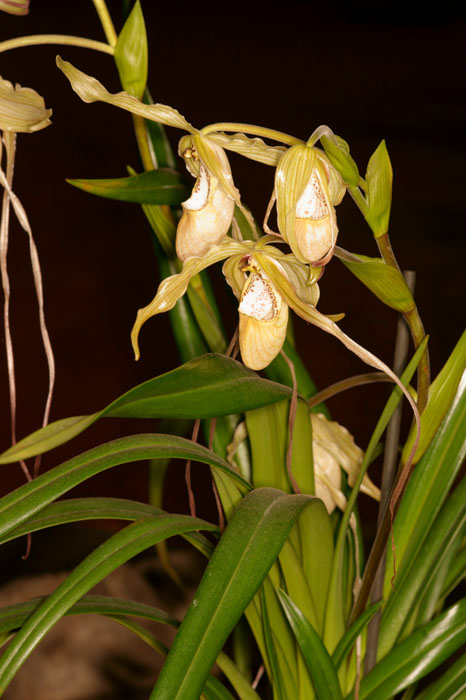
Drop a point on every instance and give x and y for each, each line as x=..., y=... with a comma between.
x=346, y=643
x=162, y=186
x=79, y=509
x=268, y=437
x=445, y=533
x=316, y=539
x=379, y=178
x=387, y=283
x=339, y=156
x=429, y=485
x=131, y=53
x=245, y=553
x=117, y=550
x=450, y=686
x=320, y=666
x=441, y=394
x=25, y=501
x=416, y=656
x=205, y=387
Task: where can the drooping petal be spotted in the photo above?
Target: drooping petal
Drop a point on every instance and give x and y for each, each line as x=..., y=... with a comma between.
x=173, y=287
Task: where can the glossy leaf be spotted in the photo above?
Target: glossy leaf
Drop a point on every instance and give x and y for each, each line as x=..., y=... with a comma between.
x=450, y=686
x=318, y=661
x=441, y=394
x=446, y=533
x=205, y=387
x=131, y=53
x=14, y=616
x=245, y=553
x=80, y=509
x=379, y=178
x=118, y=549
x=429, y=485
x=416, y=656
x=386, y=282
x=348, y=640
x=161, y=186
x=25, y=501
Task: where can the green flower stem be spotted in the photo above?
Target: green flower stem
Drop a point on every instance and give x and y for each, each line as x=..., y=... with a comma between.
x=412, y=316
x=38, y=39
x=106, y=21
x=416, y=327
x=252, y=129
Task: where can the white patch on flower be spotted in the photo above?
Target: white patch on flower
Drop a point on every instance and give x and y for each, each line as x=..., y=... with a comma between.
x=312, y=203
x=259, y=299
x=200, y=191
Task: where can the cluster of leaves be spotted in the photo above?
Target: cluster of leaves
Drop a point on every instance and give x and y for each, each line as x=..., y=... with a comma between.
x=283, y=562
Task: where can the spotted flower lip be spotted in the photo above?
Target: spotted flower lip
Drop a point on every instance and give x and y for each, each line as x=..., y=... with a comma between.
x=263, y=319
x=22, y=109
x=306, y=189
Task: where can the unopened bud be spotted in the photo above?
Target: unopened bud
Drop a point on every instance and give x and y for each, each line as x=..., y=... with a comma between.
x=22, y=109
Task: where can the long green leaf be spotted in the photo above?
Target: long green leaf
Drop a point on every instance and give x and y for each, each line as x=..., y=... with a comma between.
x=346, y=643
x=429, y=485
x=247, y=550
x=320, y=665
x=416, y=656
x=79, y=509
x=450, y=686
x=446, y=532
x=205, y=387
x=163, y=186
x=25, y=501
x=118, y=549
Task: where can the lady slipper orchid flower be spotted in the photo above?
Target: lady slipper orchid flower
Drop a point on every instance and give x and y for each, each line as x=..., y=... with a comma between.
x=306, y=189
x=334, y=449
x=208, y=213
x=263, y=320
x=22, y=110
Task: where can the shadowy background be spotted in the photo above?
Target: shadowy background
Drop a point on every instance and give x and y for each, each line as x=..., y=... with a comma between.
x=370, y=69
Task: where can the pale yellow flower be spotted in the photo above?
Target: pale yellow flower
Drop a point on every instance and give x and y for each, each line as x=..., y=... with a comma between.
x=21, y=109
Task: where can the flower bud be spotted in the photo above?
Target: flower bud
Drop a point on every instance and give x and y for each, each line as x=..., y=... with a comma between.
x=21, y=109
x=263, y=319
x=15, y=7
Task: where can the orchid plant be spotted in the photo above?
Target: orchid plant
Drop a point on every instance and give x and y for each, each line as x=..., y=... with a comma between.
x=287, y=553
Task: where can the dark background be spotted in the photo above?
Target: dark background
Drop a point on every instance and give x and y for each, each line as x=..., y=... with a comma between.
x=369, y=69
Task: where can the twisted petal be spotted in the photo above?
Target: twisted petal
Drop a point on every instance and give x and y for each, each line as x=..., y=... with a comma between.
x=91, y=90
x=22, y=109
x=173, y=287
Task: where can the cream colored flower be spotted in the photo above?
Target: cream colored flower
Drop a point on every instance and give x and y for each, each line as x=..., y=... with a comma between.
x=263, y=320
x=208, y=213
x=334, y=449
x=306, y=189
x=22, y=109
